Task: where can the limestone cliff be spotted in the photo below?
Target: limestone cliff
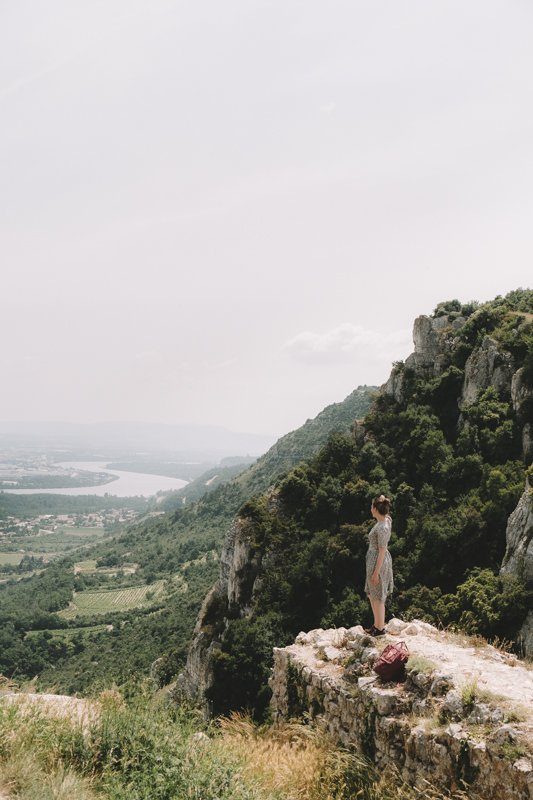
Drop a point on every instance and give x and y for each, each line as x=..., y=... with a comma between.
x=230, y=596
x=434, y=339
x=488, y=365
x=522, y=399
x=518, y=558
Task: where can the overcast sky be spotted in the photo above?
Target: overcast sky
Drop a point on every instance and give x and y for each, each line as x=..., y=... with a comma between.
x=231, y=212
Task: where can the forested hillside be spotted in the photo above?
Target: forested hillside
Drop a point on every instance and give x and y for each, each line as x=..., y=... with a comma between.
x=168, y=560
x=449, y=438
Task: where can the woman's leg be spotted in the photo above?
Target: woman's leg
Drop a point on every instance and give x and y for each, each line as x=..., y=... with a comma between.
x=379, y=614
x=371, y=601
x=375, y=610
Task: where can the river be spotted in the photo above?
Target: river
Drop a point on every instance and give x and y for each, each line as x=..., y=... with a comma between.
x=128, y=484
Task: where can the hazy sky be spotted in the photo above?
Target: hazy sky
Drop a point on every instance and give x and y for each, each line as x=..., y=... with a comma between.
x=231, y=212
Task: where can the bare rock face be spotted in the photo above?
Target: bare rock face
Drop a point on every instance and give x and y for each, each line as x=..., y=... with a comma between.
x=527, y=442
x=526, y=634
x=394, y=386
x=429, y=337
x=487, y=366
x=197, y=676
x=520, y=391
x=522, y=399
x=231, y=596
x=432, y=337
x=518, y=559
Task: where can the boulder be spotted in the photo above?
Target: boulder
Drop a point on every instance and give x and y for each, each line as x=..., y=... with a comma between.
x=452, y=706
x=395, y=626
x=411, y=630
x=441, y=684
x=333, y=654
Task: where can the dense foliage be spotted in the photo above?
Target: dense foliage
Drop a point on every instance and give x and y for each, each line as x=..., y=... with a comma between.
x=28, y=505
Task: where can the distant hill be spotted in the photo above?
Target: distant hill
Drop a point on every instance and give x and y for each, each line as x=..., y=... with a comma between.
x=291, y=449
x=306, y=440
x=207, y=482
x=118, y=439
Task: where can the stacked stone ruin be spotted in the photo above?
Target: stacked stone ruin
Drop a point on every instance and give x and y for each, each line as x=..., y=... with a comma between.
x=417, y=728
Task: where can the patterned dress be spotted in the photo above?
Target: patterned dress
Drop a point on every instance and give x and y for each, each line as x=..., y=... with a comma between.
x=379, y=537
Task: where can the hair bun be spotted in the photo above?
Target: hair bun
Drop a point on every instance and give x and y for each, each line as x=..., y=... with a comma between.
x=382, y=503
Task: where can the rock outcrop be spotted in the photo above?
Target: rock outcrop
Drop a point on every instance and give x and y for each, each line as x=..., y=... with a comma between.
x=461, y=717
x=518, y=559
x=231, y=596
x=57, y=706
x=488, y=365
x=522, y=399
x=433, y=339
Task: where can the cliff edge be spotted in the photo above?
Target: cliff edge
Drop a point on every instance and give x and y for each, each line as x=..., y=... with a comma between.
x=460, y=718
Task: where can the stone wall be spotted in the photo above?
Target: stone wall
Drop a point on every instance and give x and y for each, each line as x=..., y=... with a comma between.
x=418, y=725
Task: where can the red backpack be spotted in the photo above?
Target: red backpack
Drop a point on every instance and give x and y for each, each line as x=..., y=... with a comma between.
x=390, y=665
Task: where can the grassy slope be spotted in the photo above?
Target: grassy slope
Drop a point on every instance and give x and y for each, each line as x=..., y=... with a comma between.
x=140, y=747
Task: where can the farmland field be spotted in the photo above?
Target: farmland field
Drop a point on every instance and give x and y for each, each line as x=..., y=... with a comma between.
x=104, y=601
x=63, y=539
x=12, y=558
x=89, y=567
x=70, y=633
x=49, y=544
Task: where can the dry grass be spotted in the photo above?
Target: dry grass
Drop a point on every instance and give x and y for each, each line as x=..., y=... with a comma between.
x=25, y=775
x=23, y=779
x=528, y=317
x=513, y=711
x=296, y=761
x=476, y=640
x=54, y=759
x=419, y=663
x=287, y=758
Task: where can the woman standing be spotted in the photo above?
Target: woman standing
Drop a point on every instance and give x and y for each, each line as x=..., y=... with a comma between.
x=379, y=579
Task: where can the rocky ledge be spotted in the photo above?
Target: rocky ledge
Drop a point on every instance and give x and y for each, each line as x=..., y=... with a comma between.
x=461, y=717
